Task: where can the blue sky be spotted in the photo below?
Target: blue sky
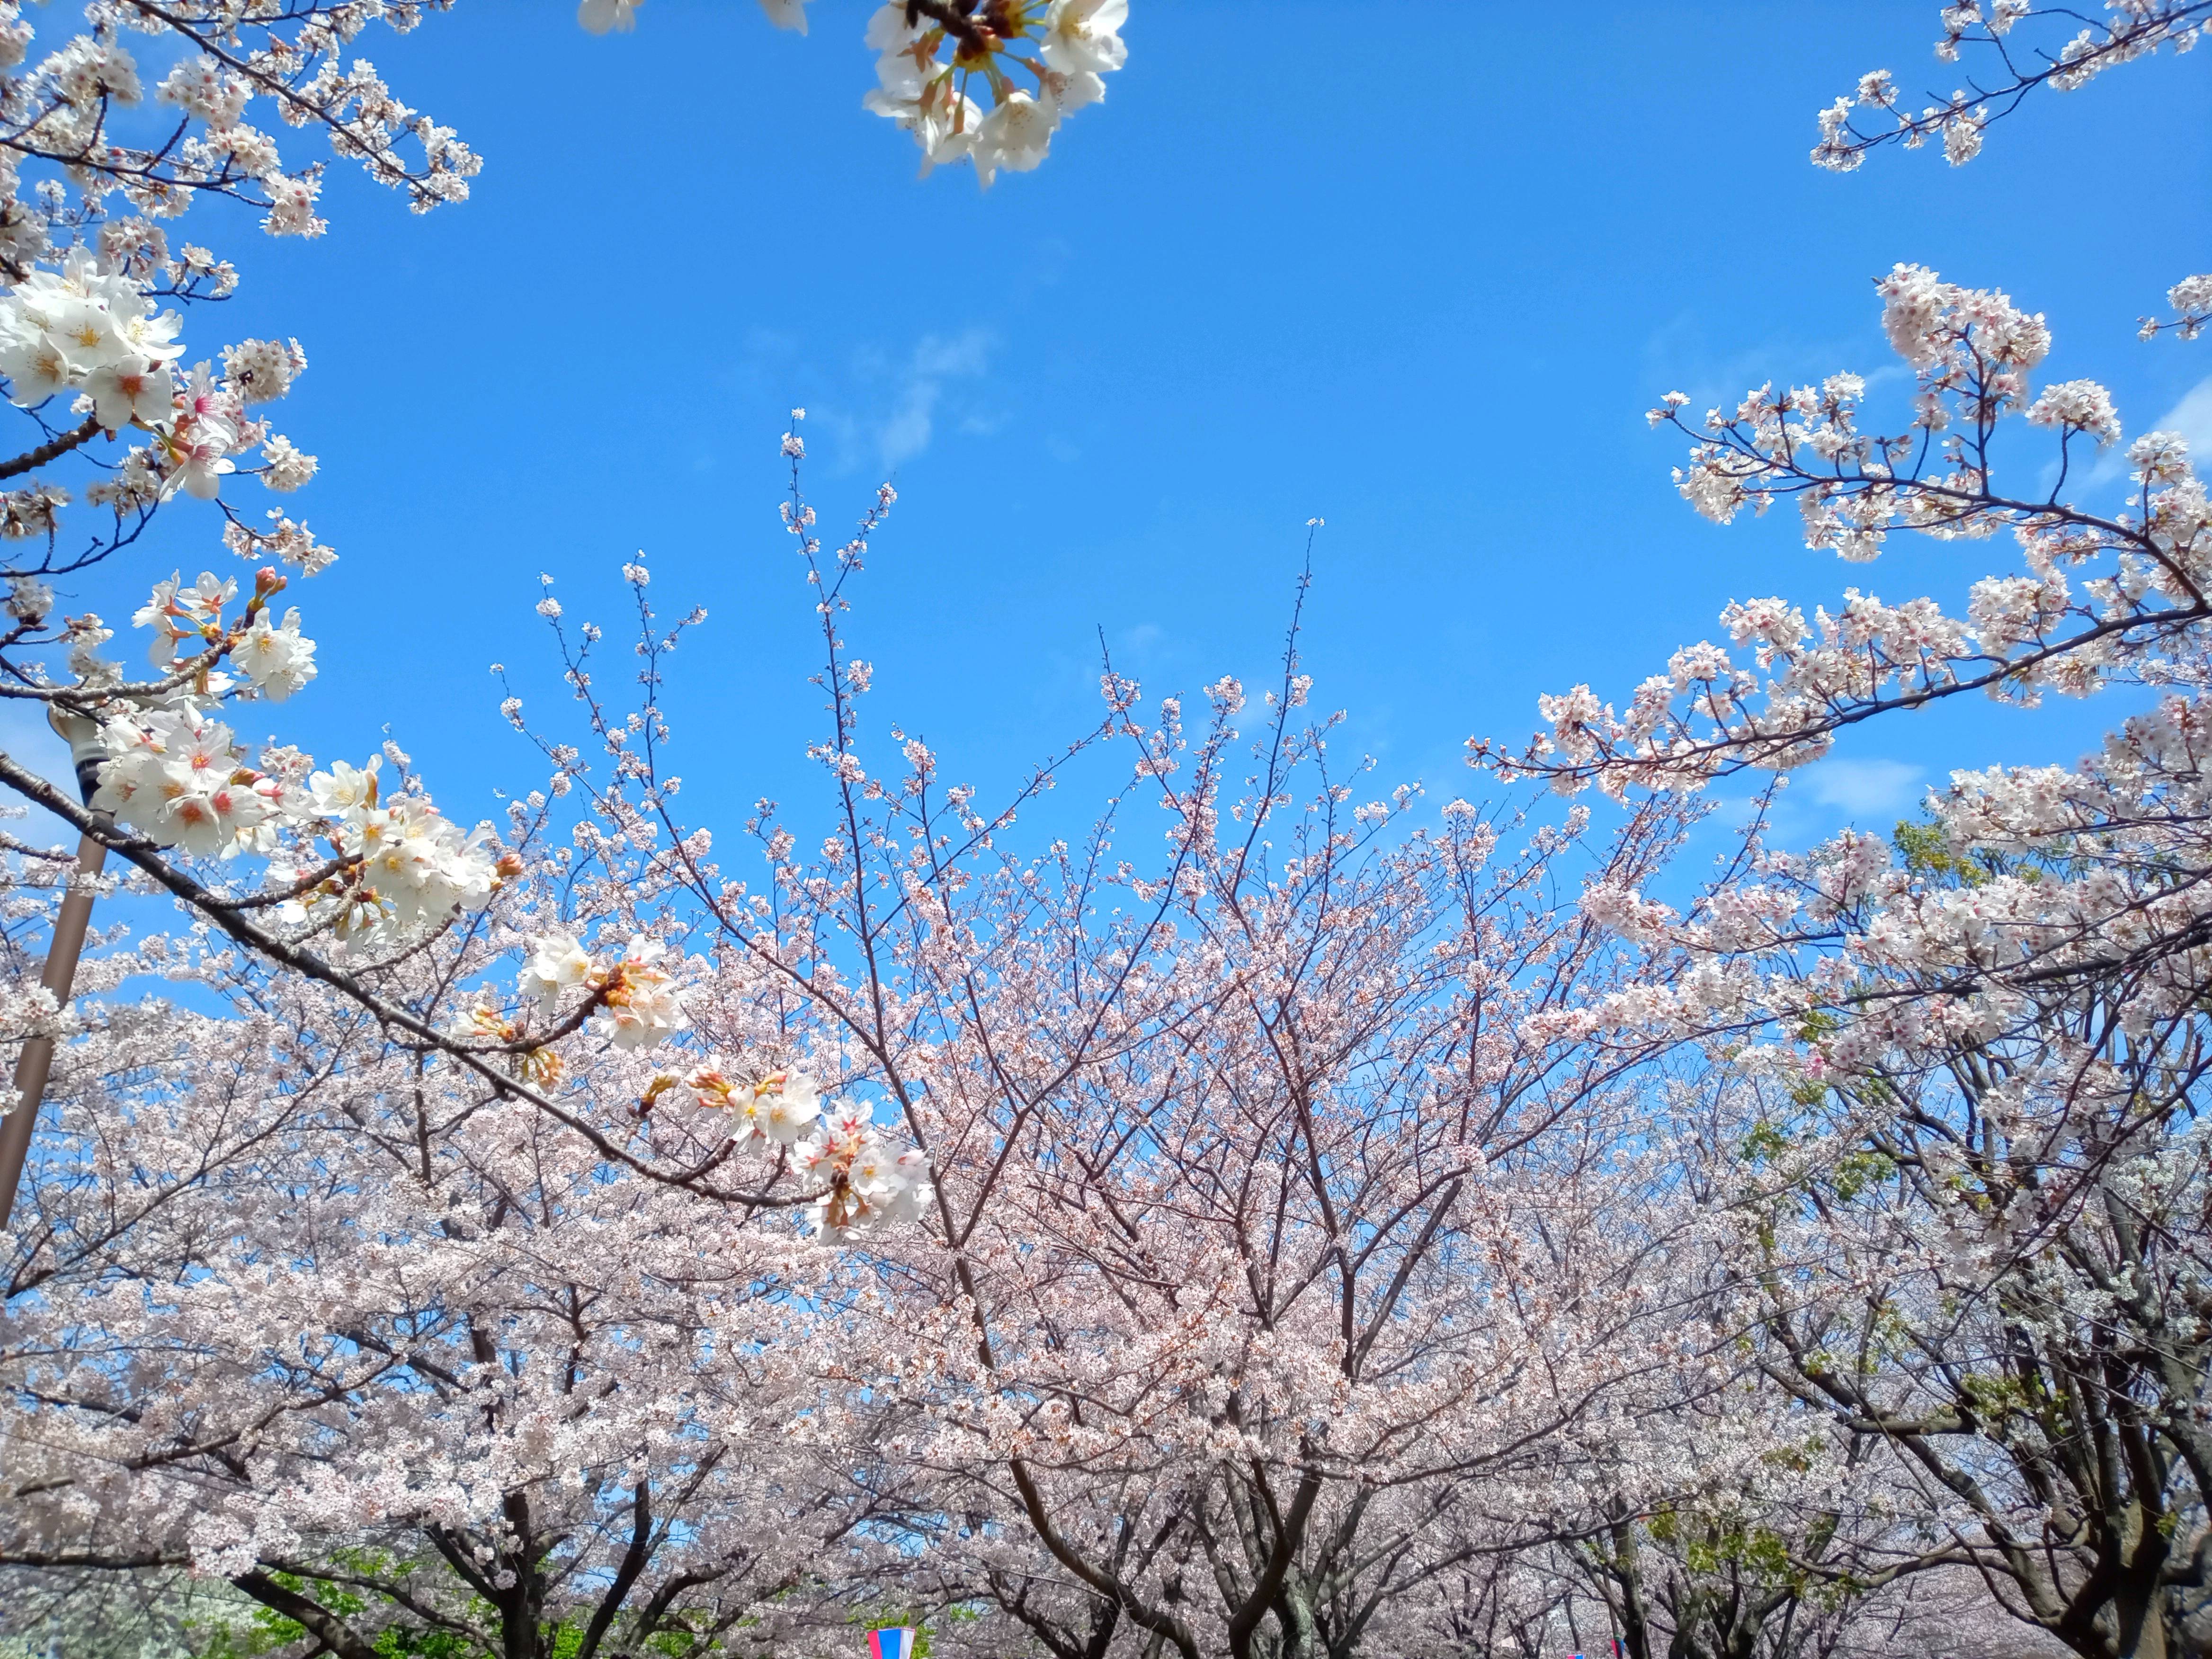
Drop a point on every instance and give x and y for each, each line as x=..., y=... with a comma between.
x=1421, y=276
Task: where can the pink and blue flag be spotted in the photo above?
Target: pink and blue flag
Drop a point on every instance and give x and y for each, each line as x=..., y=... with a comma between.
x=894, y=1644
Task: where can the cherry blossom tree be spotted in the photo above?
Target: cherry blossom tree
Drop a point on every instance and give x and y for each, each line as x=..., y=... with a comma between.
x=1974, y=1232
x=2003, y=1279
x=407, y=1363
x=1265, y=1214
x=412, y=1364
x=1736, y=1523
x=1283, y=1238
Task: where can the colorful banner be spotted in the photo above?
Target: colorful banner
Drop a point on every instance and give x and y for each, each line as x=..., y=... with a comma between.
x=894, y=1644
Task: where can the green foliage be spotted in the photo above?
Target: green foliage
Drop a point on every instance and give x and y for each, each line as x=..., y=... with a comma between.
x=263, y=1631
x=1763, y=1144
x=1721, y=1545
x=260, y=1630
x=1925, y=851
x=398, y=1642
x=1855, y=1172
x=1993, y=1395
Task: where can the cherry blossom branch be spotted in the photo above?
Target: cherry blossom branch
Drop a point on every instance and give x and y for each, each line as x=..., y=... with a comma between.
x=228, y=918
x=2143, y=27
x=53, y=450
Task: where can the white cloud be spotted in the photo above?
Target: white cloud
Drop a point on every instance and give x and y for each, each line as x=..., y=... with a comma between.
x=935, y=360
x=2192, y=417
x=1864, y=788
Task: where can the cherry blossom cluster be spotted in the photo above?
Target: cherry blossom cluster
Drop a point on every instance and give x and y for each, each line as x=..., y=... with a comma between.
x=2192, y=299
x=276, y=657
x=395, y=867
x=2034, y=880
x=858, y=1182
x=85, y=329
x=834, y=1146
x=88, y=334
x=642, y=1007
x=986, y=83
x=1039, y=60
x=177, y=773
x=166, y=766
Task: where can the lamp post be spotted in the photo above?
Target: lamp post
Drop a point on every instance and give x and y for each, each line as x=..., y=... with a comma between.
x=75, y=917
